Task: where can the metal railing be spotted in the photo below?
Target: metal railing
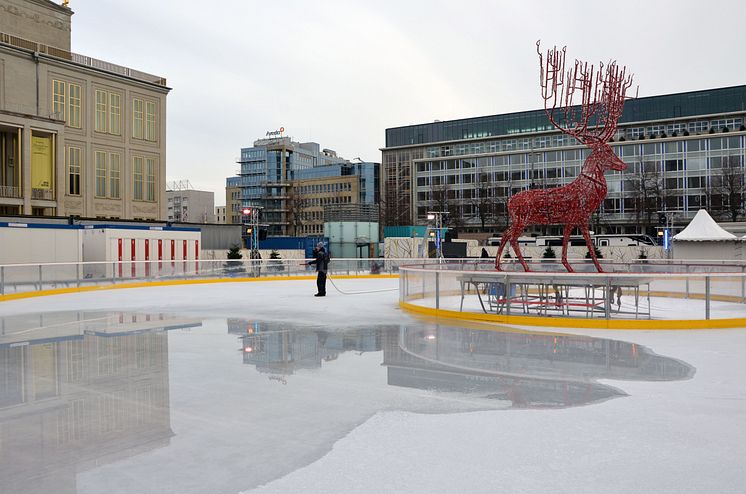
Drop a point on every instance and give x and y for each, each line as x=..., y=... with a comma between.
x=10, y=191
x=20, y=278
x=81, y=59
x=680, y=290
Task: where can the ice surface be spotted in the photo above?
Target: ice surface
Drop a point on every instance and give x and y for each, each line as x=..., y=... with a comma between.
x=354, y=396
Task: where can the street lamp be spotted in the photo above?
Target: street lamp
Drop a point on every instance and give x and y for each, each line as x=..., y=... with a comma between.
x=437, y=228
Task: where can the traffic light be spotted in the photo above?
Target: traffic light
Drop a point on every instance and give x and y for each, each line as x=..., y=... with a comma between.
x=661, y=218
x=248, y=231
x=262, y=234
x=246, y=211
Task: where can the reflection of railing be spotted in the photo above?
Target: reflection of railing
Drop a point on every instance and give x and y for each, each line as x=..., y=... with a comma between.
x=10, y=191
x=81, y=59
x=42, y=194
x=19, y=278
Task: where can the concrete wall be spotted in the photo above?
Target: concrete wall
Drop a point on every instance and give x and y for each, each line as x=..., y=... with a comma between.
x=36, y=20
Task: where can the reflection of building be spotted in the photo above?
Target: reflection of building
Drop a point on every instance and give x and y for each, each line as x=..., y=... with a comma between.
x=78, y=136
x=273, y=348
x=530, y=370
x=78, y=391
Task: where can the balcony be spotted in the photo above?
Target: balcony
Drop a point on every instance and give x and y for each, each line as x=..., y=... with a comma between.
x=42, y=194
x=10, y=191
x=80, y=59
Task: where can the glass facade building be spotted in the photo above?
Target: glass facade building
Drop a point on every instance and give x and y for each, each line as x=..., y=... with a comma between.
x=276, y=175
x=679, y=148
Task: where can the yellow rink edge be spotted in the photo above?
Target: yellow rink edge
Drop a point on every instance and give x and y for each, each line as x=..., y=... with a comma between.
x=147, y=284
x=566, y=322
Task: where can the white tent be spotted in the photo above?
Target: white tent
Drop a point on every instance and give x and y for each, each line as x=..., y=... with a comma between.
x=703, y=238
x=703, y=228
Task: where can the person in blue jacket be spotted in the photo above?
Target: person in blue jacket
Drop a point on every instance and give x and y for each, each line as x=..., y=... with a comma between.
x=321, y=260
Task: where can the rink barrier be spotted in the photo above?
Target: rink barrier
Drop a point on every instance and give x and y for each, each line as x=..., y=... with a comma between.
x=549, y=296
x=576, y=323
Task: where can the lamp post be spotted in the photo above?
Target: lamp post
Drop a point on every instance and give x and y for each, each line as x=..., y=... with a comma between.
x=437, y=218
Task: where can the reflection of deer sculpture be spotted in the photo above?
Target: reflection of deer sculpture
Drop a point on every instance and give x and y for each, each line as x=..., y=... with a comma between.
x=592, y=123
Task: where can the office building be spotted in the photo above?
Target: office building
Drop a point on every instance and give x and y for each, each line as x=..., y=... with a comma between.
x=187, y=205
x=78, y=136
x=684, y=152
x=292, y=182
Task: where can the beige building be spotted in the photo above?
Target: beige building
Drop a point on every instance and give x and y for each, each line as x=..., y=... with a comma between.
x=309, y=197
x=190, y=205
x=220, y=217
x=78, y=136
x=233, y=205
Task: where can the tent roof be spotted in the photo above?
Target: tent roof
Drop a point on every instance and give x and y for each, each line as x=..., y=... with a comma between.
x=703, y=228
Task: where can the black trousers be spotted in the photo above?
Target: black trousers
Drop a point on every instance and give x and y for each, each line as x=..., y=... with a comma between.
x=321, y=283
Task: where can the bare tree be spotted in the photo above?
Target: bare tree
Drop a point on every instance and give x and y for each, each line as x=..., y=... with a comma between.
x=649, y=193
x=728, y=188
x=484, y=201
x=297, y=205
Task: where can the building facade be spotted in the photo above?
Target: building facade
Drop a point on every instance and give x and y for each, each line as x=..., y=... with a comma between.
x=683, y=152
x=78, y=136
x=292, y=182
x=190, y=206
x=220, y=217
x=233, y=201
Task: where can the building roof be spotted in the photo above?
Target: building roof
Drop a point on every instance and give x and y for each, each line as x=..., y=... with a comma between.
x=703, y=228
x=650, y=108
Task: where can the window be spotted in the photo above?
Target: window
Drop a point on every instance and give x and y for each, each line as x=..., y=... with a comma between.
x=58, y=99
x=101, y=111
x=115, y=112
x=100, y=174
x=137, y=167
x=73, y=119
x=114, y=170
x=137, y=118
x=150, y=121
x=73, y=170
x=150, y=179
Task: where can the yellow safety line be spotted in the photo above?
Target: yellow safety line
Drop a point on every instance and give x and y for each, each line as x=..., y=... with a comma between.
x=577, y=323
x=145, y=284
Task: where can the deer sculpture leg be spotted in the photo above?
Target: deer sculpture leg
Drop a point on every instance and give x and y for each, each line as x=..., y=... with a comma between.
x=518, y=229
x=565, y=241
x=503, y=242
x=591, y=250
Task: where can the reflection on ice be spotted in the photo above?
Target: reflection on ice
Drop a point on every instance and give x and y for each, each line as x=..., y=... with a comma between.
x=102, y=396
x=78, y=390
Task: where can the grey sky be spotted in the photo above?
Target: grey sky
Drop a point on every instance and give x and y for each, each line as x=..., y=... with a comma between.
x=339, y=72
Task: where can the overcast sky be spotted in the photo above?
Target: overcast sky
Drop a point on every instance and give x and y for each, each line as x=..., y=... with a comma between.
x=339, y=72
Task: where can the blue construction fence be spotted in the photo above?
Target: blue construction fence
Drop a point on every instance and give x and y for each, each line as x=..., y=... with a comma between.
x=290, y=243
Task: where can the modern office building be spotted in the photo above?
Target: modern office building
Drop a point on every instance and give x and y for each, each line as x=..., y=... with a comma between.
x=292, y=182
x=187, y=205
x=318, y=189
x=78, y=136
x=684, y=152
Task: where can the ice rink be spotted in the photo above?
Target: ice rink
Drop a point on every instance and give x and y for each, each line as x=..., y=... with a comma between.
x=261, y=387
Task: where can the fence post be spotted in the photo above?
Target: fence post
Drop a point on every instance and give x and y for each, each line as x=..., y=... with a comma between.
x=707, y=297
x=77, y=274
x=437, y=290
x=40, y=278
x=113, y=272
x=2, y=280
x=607, y=302
x=743, y=284
x=507, y=295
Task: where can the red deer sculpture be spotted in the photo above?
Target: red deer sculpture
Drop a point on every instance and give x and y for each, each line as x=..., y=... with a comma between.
x=593, y=122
